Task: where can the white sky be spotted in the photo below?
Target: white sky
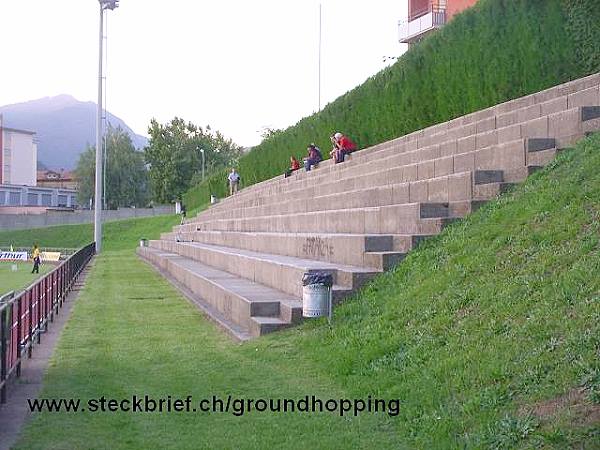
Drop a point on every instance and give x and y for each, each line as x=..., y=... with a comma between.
x=238, y=65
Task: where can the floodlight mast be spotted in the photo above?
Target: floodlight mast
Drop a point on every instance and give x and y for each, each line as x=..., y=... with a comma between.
x=104, y=5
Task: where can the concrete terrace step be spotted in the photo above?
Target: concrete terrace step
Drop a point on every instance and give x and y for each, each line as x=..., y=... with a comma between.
x=509, y=156
x=454, y=187
x=251, y=307
x=349, y=249
x=394, y=219
x=283, y=273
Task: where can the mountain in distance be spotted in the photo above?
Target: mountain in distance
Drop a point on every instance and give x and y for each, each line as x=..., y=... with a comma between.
x=64, y=127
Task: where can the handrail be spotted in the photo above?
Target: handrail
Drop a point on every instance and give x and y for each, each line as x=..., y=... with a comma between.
x=25, y=316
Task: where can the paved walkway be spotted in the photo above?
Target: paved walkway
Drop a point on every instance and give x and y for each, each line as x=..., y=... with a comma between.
x=15, y=412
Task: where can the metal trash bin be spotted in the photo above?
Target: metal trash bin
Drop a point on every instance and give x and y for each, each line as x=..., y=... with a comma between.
x=316, y=294
x=143, y=242
x=213, y=199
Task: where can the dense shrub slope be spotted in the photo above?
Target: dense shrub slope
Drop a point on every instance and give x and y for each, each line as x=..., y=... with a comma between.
x=493, y=52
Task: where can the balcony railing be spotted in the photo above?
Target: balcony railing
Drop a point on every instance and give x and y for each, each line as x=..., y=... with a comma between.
x=412, y=30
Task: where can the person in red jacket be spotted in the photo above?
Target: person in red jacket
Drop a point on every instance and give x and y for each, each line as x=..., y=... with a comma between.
x=342, y=146
x=294, y=165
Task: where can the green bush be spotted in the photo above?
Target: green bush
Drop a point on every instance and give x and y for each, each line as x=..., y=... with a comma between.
x=493, y=52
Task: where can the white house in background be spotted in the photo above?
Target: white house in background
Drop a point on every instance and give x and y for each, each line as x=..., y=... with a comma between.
x=18, y=158
x=18, y=174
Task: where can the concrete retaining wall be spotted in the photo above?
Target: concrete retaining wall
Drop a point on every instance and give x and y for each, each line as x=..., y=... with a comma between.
x=52, y=218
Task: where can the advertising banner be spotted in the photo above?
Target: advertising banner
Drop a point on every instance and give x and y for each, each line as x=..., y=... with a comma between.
x=13, y=256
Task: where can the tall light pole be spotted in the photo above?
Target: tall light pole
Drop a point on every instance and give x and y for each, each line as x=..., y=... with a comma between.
x=104, y=5
x=202, y=151
x=319, y=57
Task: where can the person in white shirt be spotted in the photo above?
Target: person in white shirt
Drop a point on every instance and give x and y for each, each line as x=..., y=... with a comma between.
x=234, y=181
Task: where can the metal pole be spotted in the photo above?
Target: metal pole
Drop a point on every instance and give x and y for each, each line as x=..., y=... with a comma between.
x=319, y=57
x=98, y=196
x=330, y=305
x=202, y=164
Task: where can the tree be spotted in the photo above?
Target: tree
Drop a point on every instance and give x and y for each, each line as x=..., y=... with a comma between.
x=126, y=174
x=175, y=160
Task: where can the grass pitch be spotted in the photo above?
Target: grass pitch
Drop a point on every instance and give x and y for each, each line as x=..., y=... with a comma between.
x=21, y=278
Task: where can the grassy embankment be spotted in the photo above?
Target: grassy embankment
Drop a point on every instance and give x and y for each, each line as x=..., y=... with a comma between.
x=488, y=334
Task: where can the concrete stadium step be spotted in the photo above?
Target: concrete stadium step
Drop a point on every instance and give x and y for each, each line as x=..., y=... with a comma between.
x=283, y=273
x=349, y=249
x=407, y=210
x=446, y=188
x=452, y=187
x=393, y=219
x=361, y=221
x=510, y=155
x=254, y=308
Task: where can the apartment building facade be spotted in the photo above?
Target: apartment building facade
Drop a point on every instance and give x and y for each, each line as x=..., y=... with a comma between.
x=18, y=156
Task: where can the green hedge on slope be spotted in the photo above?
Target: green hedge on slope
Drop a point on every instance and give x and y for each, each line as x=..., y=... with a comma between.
x=493, y=52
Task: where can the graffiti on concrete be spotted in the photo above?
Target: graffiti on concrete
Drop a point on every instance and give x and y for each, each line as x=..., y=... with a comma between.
x=315, y=246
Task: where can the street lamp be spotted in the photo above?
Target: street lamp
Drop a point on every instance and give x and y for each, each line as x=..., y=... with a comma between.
x=104, y=5
x=202, y=151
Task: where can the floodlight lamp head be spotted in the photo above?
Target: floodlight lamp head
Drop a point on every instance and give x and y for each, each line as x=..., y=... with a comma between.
x=109, y=4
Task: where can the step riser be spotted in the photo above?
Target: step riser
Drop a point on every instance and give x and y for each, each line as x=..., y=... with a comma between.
x=509, y=156
x=384, y=262
x=342, y=249
x=443, y=189
x=230, y=305
x=283, y=278
x=490, y=191
x=359, y=222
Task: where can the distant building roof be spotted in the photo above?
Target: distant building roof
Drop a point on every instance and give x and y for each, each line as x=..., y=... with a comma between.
x=55, y=175
x=14, y=130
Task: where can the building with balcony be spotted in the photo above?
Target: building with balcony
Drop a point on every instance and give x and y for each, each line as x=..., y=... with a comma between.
x=18, y=156
x=425, y=16
x=63, y=179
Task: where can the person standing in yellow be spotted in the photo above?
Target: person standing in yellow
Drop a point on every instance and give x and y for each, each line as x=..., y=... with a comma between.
x=35, y=254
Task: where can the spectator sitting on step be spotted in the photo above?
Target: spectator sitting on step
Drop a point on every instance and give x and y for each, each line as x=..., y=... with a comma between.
x=314, y=157
x=294, y=165
x=342, y=146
